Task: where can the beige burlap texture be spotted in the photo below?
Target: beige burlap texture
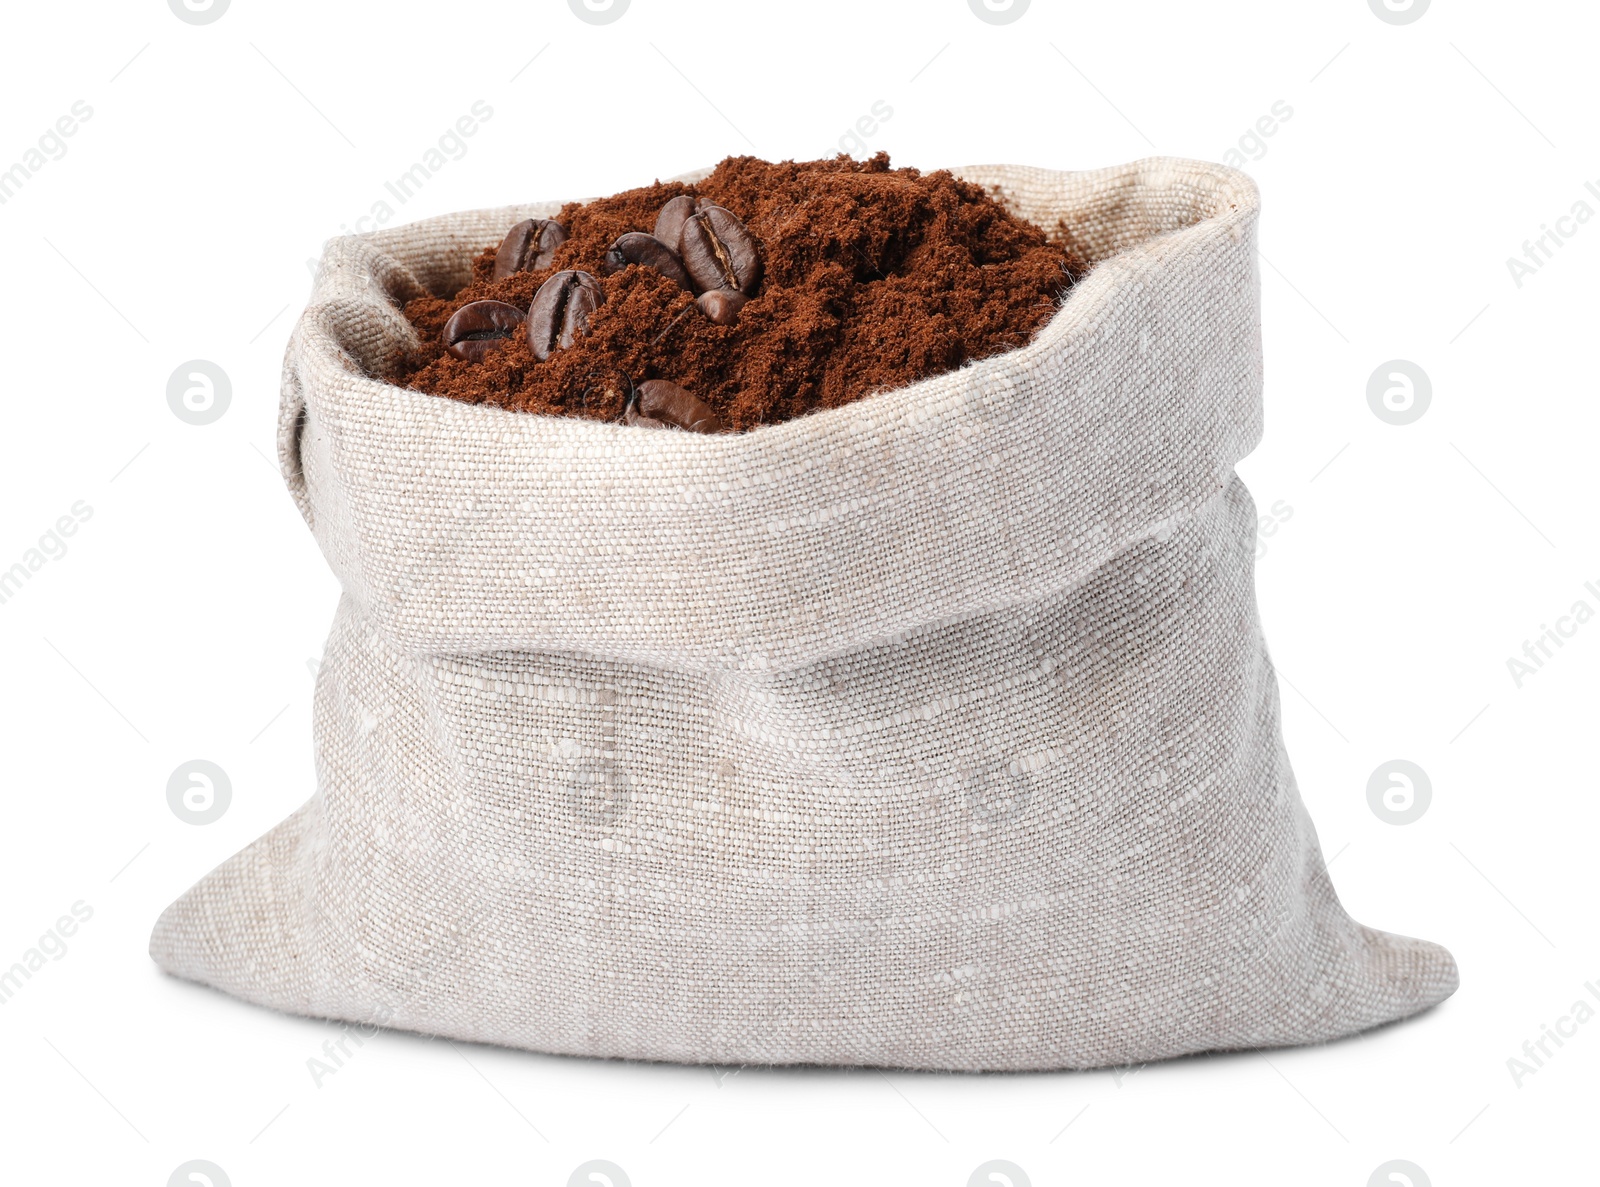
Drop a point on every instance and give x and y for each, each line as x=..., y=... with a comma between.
x=935, y=731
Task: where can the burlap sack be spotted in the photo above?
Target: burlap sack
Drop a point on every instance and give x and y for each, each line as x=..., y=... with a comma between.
x=935, y=731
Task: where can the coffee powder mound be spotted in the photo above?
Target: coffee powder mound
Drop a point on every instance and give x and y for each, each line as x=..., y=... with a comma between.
x=874, y=278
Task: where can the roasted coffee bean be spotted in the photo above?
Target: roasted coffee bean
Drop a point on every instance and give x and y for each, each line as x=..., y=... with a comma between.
x=528, y=247
x=659, y=400
x=638, y=248
x=632, y=416
x=560, y=311
x=721, y=305
x=669, y=223
x=719, y=251
x=475, y=330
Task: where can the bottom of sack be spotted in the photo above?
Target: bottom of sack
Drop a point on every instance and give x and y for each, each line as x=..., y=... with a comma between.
x=1361, y=978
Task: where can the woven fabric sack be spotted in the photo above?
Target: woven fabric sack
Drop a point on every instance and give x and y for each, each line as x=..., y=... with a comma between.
x=933, y=731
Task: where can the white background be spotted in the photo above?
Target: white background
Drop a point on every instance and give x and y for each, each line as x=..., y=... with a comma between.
x=184, y=618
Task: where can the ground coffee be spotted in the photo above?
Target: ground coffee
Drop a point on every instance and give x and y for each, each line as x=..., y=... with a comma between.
x=869, y=278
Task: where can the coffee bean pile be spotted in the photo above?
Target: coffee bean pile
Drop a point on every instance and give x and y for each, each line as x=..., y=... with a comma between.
x=766, y=290
x=702, y=247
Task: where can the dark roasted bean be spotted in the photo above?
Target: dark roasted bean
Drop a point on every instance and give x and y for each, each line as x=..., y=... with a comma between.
x=632, y=416
x=528, y=247
x=719, y=251
x=560, y=311
x=721, y=305
x=659, y=400
x=638, y=248
x=669, y=223
x=475, y=330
